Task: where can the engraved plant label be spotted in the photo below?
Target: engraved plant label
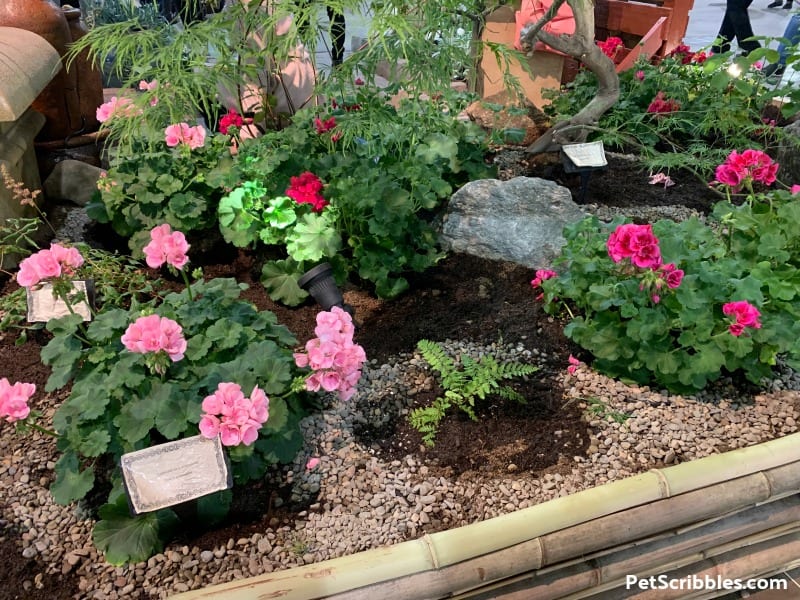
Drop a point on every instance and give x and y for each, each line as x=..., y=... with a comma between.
x=590, y=154
x=175, y=472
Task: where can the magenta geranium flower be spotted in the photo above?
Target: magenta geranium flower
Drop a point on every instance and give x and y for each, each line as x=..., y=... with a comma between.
x=636, y=242
x=166, y=246
x=230, y=119
x=745, y=315
x=306, y=189
x=740, y=169
x=14, y=400
x=662, y=105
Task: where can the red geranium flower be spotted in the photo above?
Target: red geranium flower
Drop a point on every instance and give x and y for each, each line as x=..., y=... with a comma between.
x=306, y=189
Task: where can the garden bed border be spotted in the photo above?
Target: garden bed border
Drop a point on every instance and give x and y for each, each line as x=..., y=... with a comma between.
x=732, y=515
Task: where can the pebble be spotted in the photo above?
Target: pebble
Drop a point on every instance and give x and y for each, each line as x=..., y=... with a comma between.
x=358, y=501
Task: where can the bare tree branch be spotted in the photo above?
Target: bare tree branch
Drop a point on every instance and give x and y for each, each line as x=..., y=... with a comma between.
x=582, y=47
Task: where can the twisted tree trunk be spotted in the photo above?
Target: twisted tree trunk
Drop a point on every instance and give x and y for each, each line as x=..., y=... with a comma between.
x=581, y=46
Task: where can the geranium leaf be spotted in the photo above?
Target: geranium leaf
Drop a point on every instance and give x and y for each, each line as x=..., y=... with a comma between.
x=71, y=483
x=314, y=237
x=126, y=539
x=279, y=277
x=94, y=443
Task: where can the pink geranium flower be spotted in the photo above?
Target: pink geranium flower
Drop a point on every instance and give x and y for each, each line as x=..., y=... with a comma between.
x=116, y=107
x=635, y=242
x=183, y=134
x=166, y=246
x=152, y=334
x=323, y=126
x=795, y=189
x=541, y=275
x=227, y=413
x=662, y=105
x=14, y=400
x=48, y=264
x=333, y=357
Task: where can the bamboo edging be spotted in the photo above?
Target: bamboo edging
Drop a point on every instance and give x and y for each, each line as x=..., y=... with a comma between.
x=718, y=509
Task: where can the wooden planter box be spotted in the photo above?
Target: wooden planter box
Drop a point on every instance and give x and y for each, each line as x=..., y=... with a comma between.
x=727, y=516
x=647, y=29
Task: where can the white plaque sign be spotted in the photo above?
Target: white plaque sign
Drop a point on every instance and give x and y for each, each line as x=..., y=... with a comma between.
x=590, y=154
x=43, y=305
x=174, y=472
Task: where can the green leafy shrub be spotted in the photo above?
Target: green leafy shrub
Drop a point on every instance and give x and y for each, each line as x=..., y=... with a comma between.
x=474, y=379
x=385, y=171
x=152, y=185
x=640, y=329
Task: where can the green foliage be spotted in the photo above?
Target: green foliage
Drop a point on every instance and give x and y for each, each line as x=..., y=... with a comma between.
x=147, y=187
x=682, y=342
x=718, y=110
x=120, y=401
x=473, y=379
x=386, y=173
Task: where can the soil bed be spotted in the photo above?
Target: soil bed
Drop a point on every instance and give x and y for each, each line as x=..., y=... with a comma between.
x=572, y=433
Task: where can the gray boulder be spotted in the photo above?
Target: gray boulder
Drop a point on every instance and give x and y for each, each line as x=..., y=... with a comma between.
x=72, y=180
x=519, y=220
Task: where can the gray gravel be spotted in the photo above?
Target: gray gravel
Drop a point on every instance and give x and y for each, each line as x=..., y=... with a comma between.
x=359, y=501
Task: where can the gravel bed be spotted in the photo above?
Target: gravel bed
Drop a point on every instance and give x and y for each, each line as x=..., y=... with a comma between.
x=359, y=501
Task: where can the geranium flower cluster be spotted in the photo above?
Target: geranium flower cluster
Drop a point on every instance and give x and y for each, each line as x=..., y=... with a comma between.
x=745, y=315
x=117, y=107
x=745, y=168
x=306, y=189
x=230, y=119
x=153, y=334
x=232, y=417
x=333, y=356
x=49, y=263
x=183, y=134
x=610, y=46
x=14, y=400
x=636, y=242
x=146, y=86
x=166, y=246
x=683, y=53
x=541, y=275
x=661, y=105
x=322, y=127
x=640, y=245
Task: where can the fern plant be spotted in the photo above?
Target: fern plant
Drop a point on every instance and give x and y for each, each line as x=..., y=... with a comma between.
x=475, y=379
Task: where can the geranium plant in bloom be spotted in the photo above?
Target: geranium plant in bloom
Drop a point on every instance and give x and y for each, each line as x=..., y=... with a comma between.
x=726, y=301
x=143, y=374
x=334, y=359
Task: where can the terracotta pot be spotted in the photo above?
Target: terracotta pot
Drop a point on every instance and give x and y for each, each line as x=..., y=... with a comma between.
x=89, y=78
x=58, y=102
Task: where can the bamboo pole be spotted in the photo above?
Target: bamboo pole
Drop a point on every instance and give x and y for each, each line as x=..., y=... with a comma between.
x=607, y=570
x=424, y=559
